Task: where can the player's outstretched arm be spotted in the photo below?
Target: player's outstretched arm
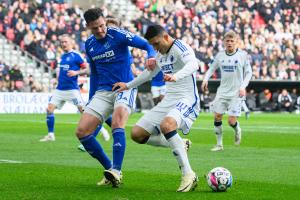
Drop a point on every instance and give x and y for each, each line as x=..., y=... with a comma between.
x=150, y=64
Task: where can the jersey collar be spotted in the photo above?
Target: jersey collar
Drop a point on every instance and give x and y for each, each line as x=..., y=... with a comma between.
x=232, y=53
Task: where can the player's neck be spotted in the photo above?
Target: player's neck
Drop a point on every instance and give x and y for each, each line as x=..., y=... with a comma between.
x=172, y=40
x=230, y=53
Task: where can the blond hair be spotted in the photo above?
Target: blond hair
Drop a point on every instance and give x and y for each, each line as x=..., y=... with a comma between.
x=231, y=34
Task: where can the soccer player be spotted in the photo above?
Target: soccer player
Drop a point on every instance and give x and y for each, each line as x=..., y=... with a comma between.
x=108, y=55
x=236, y=73
x=180, y=106
x=71, y=65
x=158, y=88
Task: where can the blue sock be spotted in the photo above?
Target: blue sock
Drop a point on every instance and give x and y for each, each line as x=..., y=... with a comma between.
x=118, y=147
x=50, y=122
x=96, y=132
x=93, y=147
x=108, y=121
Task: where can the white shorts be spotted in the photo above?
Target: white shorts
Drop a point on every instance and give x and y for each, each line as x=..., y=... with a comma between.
x=59, y=97
x=233, y=106
x=158, y=90
x=103, y=102
x=184, y=112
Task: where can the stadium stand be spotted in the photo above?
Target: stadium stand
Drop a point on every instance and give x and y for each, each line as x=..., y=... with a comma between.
x=269, y=31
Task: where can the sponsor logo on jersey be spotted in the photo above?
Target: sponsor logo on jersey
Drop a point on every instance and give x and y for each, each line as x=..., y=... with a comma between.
x=229, y=68
x=167, y=69
x=107, y=54
x=65, y=67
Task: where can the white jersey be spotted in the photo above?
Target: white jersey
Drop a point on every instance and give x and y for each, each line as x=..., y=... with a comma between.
x=235, y=70
x=181, y=101
x=181, y=62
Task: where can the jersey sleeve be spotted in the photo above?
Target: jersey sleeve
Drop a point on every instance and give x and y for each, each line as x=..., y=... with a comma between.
x=133, y=40
x=187, y=56
x=93, y=75
x=80, y=60
x=213, y=65
x=247, y=72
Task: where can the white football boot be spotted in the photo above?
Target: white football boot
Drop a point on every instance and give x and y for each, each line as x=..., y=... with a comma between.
x=105, y=134
x=104, y=181
x=188, y=182
x=48, y=138
x=217, y=148
x=81, y=148
x=113, y=176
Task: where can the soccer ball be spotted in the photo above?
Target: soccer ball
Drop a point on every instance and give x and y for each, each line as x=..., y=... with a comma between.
x=219, y=179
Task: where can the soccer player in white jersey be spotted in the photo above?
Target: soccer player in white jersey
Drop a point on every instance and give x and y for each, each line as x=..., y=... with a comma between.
x=180, y=106
x=236, y=73
x=71, y=65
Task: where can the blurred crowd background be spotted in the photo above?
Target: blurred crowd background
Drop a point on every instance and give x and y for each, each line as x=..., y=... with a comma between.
x=269, y=31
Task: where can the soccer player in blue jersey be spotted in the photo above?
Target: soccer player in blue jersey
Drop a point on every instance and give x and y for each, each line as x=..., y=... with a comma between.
x=71, y=65
x=108, y=55
x=158, y=88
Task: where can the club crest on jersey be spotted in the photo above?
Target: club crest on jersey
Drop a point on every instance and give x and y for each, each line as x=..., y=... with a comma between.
x=107, y=45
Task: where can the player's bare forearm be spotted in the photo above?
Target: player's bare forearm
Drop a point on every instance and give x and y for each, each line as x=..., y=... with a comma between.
x=204, y=85
x=72, y=73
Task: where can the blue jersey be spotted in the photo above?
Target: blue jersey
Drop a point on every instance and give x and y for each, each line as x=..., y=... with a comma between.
x=158, y=80
x=69, y=61
x=110, y=58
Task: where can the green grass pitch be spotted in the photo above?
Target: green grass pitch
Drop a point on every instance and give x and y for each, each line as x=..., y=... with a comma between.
x=265, y=166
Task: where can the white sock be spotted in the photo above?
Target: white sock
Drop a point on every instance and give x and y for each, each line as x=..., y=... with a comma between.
x=51, y=134
x=219, y=135
x=158, y=140
x=237, y=126
x=180, y=153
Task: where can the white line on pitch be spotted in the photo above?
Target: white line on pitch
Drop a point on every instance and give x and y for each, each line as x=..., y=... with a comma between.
x=10, y=161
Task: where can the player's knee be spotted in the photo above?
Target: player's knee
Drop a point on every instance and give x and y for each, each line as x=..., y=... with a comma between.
x=168, y=125
x=50, y=109
x=136, y=136
x=218, y=117
x=232, y=121
x=81, y=131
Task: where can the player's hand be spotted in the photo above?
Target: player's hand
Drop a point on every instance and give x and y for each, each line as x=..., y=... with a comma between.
x=119, y=87
x=169, y=78
x=204, y=85
x=150, y=64
x=72, y=73
x=242, y=92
